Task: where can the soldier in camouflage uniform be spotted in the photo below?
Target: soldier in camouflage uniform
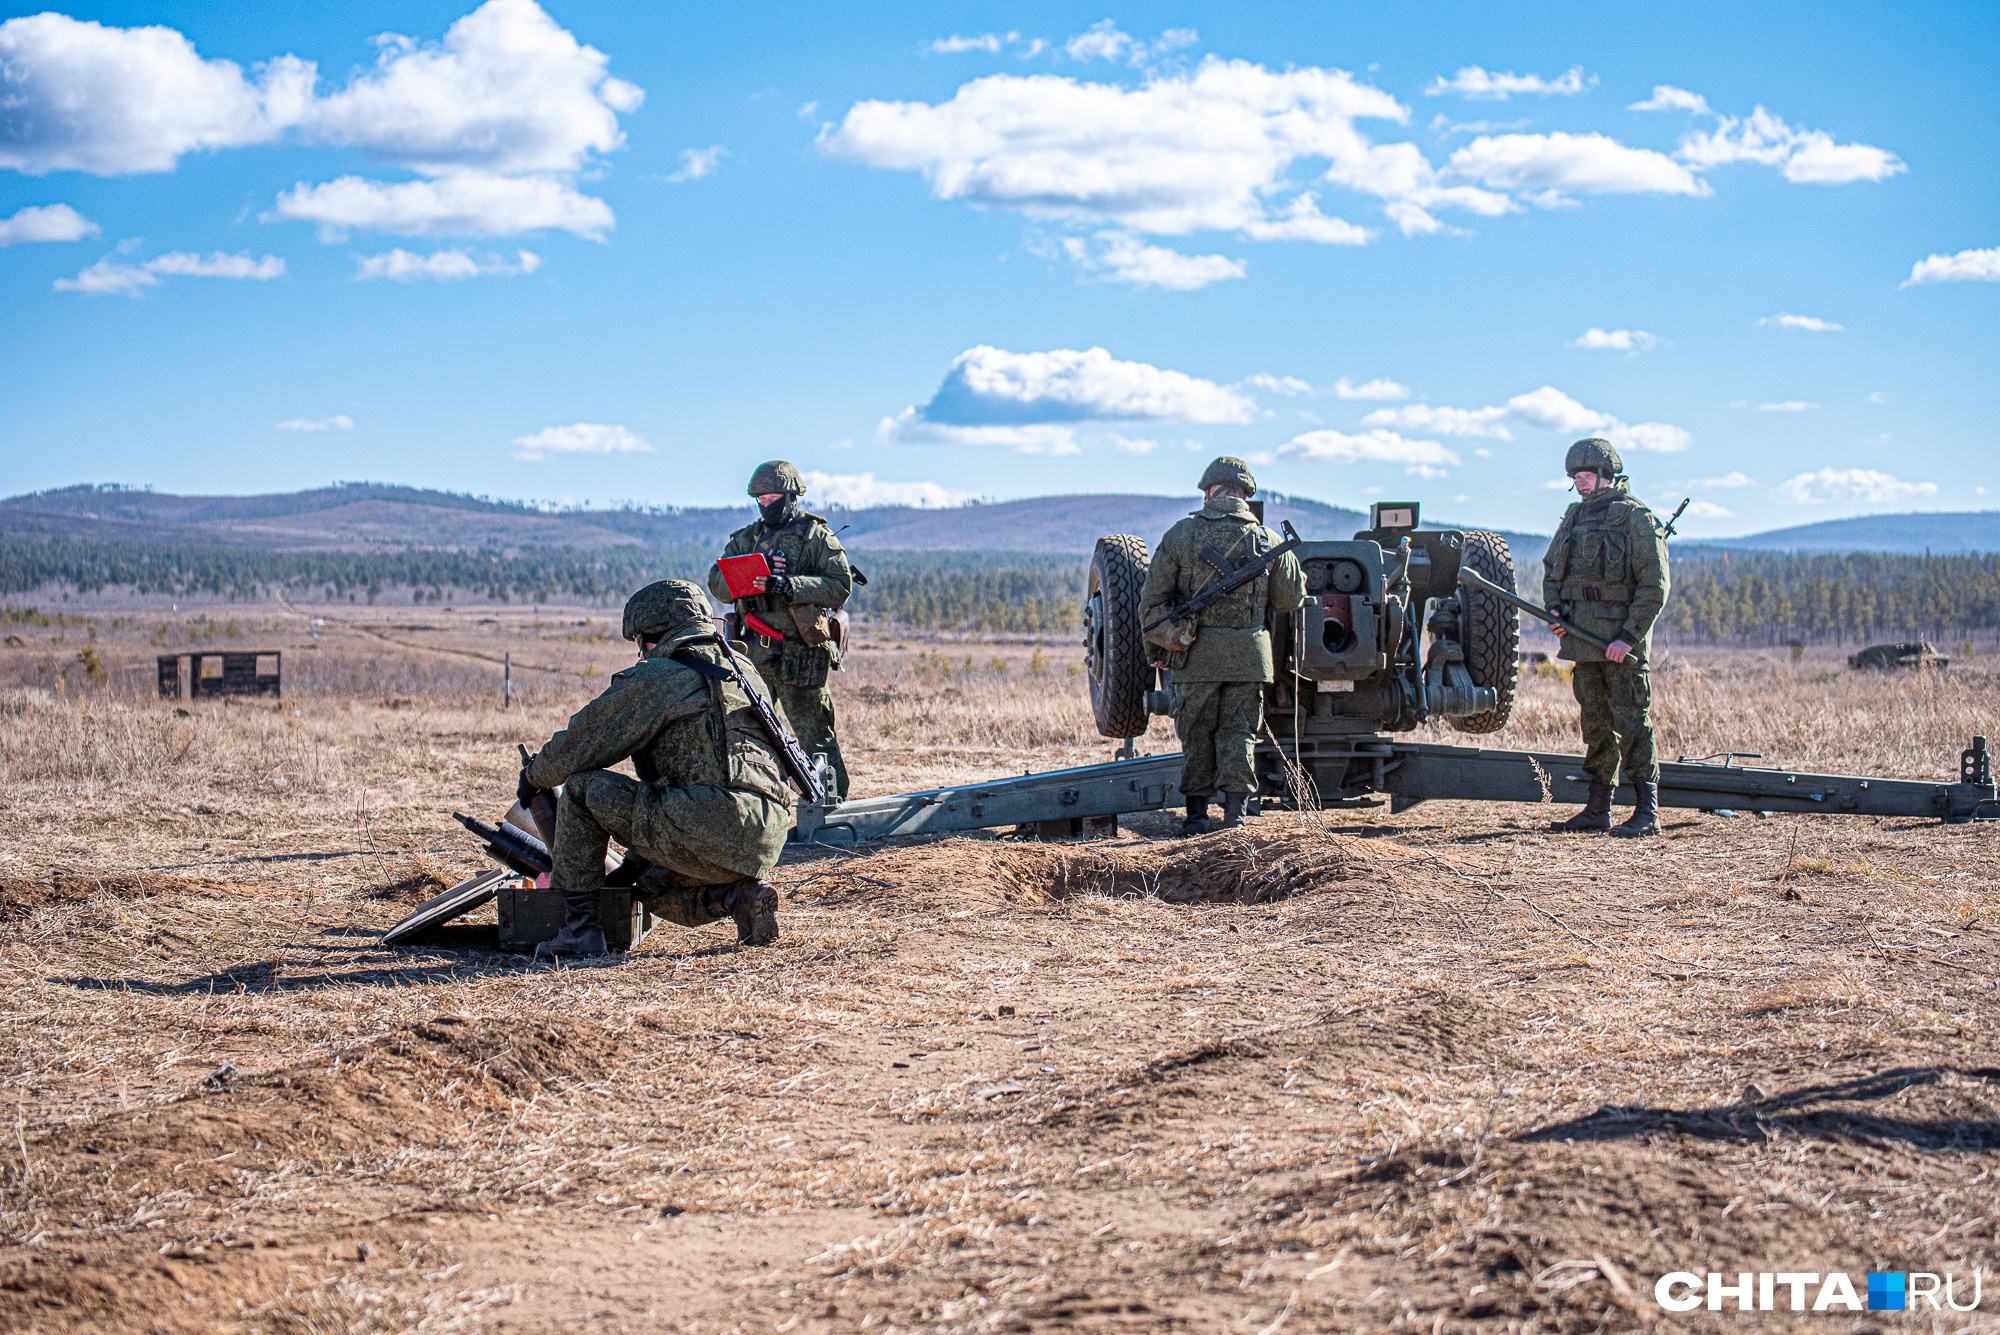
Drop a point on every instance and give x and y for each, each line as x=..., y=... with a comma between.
x=1606, y=570
x=809, y=578
x=710, y=810
x=1221, y=658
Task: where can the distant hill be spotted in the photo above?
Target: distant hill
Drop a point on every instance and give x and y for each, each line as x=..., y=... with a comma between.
x=1942, y=533
x=369, y=517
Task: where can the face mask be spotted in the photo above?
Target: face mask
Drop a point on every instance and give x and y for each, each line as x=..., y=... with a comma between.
x=779, y=513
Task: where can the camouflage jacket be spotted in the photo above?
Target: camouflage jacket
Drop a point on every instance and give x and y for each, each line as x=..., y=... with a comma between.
x=681, y=730
x=1606, y=570
x=815, y=562
x=1232, y=642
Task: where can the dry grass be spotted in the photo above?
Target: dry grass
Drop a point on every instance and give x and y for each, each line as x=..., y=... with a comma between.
x=1437, y=1071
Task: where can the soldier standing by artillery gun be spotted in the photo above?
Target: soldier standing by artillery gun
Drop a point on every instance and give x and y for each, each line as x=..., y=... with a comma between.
x=1606, y=571
x=1220, y=656
x=809, y=577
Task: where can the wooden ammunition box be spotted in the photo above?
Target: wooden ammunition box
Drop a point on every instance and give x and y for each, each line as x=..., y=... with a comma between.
x=529, y=917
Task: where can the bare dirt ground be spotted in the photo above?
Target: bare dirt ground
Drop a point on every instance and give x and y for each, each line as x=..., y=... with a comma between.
x=1438, y=1071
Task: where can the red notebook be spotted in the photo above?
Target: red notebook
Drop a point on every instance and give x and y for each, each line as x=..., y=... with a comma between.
x=741, y=573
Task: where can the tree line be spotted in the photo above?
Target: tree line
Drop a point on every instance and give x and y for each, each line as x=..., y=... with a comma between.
x=1778, y=598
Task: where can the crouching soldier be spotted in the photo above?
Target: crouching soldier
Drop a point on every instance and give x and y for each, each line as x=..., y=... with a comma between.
x=707, y=816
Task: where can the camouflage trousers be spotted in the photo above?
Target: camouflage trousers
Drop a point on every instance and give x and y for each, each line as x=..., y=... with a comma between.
x=1217, y=722
x=1617, y=700
x=809, y=709
x=598, y=806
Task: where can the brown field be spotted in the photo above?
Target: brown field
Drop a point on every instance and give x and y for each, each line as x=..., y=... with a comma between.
x=1437, y=1071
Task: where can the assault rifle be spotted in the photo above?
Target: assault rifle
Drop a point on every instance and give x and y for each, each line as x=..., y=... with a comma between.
x=1232, y=578
x=1472, y=579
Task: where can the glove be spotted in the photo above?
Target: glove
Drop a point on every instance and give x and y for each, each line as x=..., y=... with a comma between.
x=780, y=585
x=525, y=792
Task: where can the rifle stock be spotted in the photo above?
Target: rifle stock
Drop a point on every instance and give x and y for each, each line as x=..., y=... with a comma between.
x=1472, y=579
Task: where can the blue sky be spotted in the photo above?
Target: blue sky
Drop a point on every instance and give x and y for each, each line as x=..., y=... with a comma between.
x=619, y=252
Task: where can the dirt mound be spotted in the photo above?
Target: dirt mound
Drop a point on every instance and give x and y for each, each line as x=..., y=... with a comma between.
x=1238, y=866
x=22, y=895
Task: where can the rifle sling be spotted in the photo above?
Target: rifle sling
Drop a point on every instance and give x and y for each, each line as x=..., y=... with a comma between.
x=789, y=749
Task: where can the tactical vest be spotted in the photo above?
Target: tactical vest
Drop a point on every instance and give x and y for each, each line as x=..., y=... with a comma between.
x=723, y=746
x=1242, y=609
x=1593, y=561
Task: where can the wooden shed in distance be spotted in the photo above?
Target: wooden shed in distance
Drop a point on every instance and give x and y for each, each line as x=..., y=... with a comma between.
x=194, y=676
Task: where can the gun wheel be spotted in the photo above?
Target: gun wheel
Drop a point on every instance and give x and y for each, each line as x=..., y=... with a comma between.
x=1491, y=630
x=1113, y=654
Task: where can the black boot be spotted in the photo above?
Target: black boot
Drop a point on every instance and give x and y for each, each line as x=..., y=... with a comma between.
x=582, y=933
x=1196, y=820
x=754, y=906
x=1595, y=816
x=1645, y=814
x=1232, y=810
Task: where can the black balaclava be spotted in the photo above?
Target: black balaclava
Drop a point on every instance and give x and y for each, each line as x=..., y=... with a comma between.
x=779, y=512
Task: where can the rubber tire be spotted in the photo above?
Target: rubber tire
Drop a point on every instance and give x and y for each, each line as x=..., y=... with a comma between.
x=1116, y=664
x=1490, y=630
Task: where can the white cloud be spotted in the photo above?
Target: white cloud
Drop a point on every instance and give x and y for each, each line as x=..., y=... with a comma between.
x=1836, y=486
x=988, y=386
x=1592, y=163
x=953, y=45
x=1444, y=421
x=477, y=203
x=1708, y=510
x=909, y=427
x=1734, y=478
x=1102, y=42
x=698, y=162
x=1806, y=157
x=1288, y=385
x=1557, y=484
x=807, y=110
x=1379, y=388
x=1618, y=340
x=1124, y=258
x=1476, y=84
x=45, y=222
x=1666, y=97
x=1651, y=437
x=1369, y=447
x=1787, y=406
x=1877, y=398
x=108, y=276
x=1968, y=266
x=580, y=438
x=401, y=266
x=1301, y=220
x=1130, y=445
x=1811, y=323
x=1547, y=408
x=338, y=422
x=861, y=491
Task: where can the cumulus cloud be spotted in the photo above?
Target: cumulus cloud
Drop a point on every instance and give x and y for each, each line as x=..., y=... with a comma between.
x=1810, y=323
x=1288, y=385
x=1103, y=42
x=698, y=162
x=1124, y=258
x=1132, y=445
x=337, y=422
x=1805, y=157
x=1476, y=84
x=1666, y=97
x=1836, y=486
x=1968, y=266
x=861, y=491
x=1547, y=408
x=579, y=438
x=1733, y=478
x=401, y=266
x=1551, y=165
x=503, y=112
x=1617, y=340
x=45, y=222
x=1787, y=406
x=1421, y=457
x=1301, y=220
x=1379, y=388
x=108, y=276
x=910, y=427
x=1708, y=510
x=986, y=41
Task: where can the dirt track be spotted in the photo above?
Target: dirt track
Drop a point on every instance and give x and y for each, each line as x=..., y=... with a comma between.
x=1454, y=1075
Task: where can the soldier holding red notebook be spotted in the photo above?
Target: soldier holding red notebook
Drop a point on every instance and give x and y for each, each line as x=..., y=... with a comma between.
x=782, y=609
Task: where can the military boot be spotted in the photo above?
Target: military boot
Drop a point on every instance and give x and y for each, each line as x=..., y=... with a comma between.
x=1645, y=815
x=1196, y=820
x=754, y=906
x=1595, y=816
x=1232, y=810
x=581, y=934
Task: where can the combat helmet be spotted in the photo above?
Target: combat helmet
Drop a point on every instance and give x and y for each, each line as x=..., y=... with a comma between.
x=1593, y=454
x=663, y=607
x=776, y=476
x=1232, y=471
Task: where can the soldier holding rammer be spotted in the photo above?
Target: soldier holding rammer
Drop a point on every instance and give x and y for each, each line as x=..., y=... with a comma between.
x=1606, y=571
x=809, y=578
x=711, y=808
x=1220, y=658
